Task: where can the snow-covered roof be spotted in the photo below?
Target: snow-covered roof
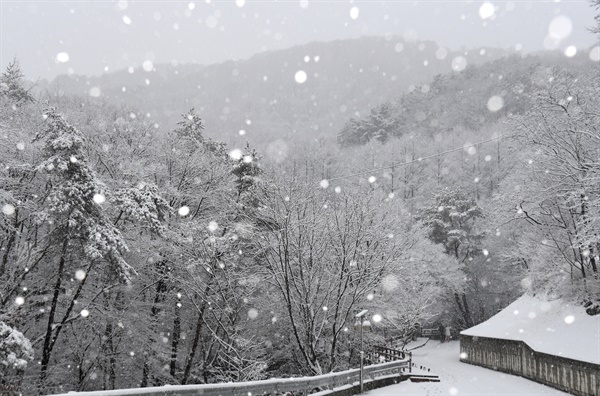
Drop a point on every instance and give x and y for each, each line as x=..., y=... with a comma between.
x=553, y=327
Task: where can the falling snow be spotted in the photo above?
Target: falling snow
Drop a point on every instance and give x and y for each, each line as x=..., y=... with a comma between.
x=80, y=275
x=560, y=27
x=495, y=103
x=148, y=66
x=486, y=10
x=300, y=76
x=62, y=57
x=95, y=92
x=213, y=226
x=8, y=209
x=398, y=158
x=459, y=63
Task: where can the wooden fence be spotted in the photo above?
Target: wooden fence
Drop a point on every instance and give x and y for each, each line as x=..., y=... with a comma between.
x=390, y=354
x=430, y=333
x=304, y=386
x=516, y=357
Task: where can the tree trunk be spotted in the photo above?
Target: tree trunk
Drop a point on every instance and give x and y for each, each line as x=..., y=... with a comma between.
x=161, y=288
x=190, y=359
x=145, y=371
x=48, y=338
x=468, y=319
x=7, y=251
x=108, y=346
x=109, y=350
x=175, y=337
x=593, y=262
x=461, y=302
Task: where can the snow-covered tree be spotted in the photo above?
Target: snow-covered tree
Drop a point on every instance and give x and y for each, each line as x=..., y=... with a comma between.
x=411, y=289
x=15, y=350
x=79, y=228
x=596, y=5
x=326, y=253
x=452, y=221
x=12, y=85
x=559, y=196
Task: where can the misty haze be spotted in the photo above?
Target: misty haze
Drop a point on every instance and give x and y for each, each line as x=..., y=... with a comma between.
x=238, y=197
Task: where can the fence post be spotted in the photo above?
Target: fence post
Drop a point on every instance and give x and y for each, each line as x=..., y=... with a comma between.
x=410, y=362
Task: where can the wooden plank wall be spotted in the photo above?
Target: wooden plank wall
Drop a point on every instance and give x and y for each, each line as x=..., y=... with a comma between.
x=516, y=357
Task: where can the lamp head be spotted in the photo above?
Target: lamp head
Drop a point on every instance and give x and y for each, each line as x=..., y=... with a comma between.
x=366, y=325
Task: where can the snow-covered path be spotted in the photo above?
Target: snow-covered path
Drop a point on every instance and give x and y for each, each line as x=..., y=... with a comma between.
x=460, y=378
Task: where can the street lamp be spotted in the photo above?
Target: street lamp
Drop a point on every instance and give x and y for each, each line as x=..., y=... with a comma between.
x=362, y=324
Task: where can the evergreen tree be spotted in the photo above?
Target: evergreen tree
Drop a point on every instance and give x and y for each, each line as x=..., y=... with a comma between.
x=11, y=84
x=15, y=353
x=79, y=226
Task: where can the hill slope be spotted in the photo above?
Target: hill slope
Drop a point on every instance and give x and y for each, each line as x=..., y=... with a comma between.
x=260, y=95
x=476, y=97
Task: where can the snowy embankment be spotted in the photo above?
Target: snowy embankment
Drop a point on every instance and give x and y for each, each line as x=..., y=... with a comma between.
x=457, y=378
x=552, y=327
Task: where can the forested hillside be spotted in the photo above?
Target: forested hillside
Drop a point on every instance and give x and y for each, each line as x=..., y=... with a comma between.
x=262, y=97
x=471, y=100
x=136, y=255
x=501, y=162
x=137, y=258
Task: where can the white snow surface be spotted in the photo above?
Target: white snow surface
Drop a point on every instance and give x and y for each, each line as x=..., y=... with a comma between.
x=457, y=378
x=419, y=343
x=553, y=327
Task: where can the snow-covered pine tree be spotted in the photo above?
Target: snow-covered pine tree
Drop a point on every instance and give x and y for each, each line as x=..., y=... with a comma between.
x=15, y=353
x=80, y=230
x=11, y=84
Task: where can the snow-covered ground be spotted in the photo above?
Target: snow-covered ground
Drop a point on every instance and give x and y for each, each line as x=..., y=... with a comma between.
x=553, y=327
x=461, y=378
x=419, y=343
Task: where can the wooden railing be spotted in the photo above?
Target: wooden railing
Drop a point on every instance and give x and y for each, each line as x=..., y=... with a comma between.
x=430, y=332
x=276, y=386
x=388, y=354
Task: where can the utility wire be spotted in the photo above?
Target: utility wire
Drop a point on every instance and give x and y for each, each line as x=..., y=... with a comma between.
x=420, y=158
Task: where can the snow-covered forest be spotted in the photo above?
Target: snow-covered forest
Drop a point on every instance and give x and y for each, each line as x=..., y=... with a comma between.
x=141, y=245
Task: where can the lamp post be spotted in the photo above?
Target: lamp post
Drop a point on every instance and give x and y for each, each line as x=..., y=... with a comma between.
x=362, y=324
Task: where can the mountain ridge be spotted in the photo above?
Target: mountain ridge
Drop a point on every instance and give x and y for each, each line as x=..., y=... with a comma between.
x=258, y=99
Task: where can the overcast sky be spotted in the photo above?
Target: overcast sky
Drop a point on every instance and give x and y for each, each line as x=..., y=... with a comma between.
x=89, y=37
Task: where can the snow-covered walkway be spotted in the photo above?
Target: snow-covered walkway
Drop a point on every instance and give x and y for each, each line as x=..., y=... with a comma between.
x=460, y=378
